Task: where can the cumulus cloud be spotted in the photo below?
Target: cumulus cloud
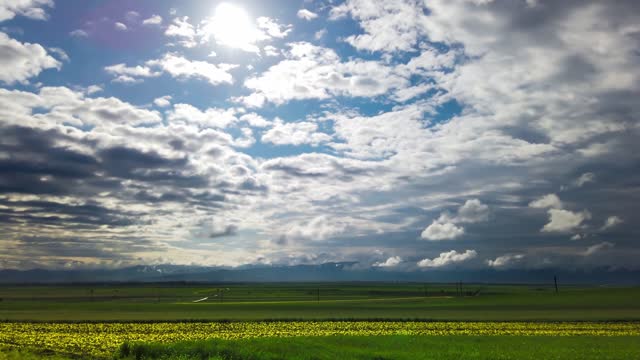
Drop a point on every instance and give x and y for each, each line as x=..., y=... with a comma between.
x=547, y=201
x=442, y=231
x=22, y=61
x=390, y=262
x=273, y=28
x=505, y=260
x=448, y=258
x=445, y=228
x=33, y=9
x=611, y=222
x=312, y=72
x=176, y=66
x=211, y=117
x=120, y=26
x=563, y=221
x=153, y=20
x=163, y=101
x=182, y=30
x=294, y=133
x=306, y=14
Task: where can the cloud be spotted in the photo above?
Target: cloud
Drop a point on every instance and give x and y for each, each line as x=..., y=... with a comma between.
x=211, y=117
x=176, y=66
x=32, y=9
x=163, y=101
x=389, y=25
x=442, y=231
x=306, y=14
x=563, y=221
x=585, y=178
x=611, y=222
x=183, y=31
x=505, y=260
x=272, y=28
x=312, y=72
x=79, y=33
x=390, y=262
x=294, y=133
x=124, y=74
x=22, y=61
x=472, y=211
x=153, y=20
x=597, y=248
x=445, y=228
x=447, y=258
x=548, y=201
x=120, y=26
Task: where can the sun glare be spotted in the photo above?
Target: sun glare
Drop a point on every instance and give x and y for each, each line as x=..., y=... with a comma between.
x=232, y=26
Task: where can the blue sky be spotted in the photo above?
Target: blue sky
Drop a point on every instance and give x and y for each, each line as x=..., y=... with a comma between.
x=402, y=135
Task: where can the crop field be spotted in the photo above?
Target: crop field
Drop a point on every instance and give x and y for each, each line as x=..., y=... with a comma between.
x=363, y=301
x=103, y=339
x=154, y=321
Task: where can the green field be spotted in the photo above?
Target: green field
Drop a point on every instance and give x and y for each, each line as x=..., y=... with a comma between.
x=603, y=307
x=301, y=301
x=399, y=348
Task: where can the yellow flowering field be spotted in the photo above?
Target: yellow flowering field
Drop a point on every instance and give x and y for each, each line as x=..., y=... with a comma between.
x=102, y=339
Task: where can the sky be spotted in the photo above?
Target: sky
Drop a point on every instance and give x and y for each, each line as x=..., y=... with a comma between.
x=403, y=135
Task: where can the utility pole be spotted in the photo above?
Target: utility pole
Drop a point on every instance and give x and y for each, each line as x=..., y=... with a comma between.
x=425, y=290
x=555, y=281
x=318, y=298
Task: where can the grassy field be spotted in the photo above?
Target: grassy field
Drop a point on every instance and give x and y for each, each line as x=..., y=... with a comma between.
x=396, y=347
x=301, y=301
x=511, y=321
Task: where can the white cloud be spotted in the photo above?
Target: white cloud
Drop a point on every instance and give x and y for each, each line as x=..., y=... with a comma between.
x=183, y=31
x=22, y=61
x=472, y=211
x=92, y=89
x=320, y=34
x=505, y=260
x=79, y=33
x=270, y=50
x=131, y=72
x=178, y=66
x=316, y=229
x=442, y=231
x=563, y=221
x=389, y=25
x=132, y=16
x=390, y=262
x=312, y=72
x=212, y=117
x=548, y=201
x=163, y=101
x=448, y=258
x=612, y=221
x=33, y=9
x=272, y=28
x=594, y=249
x=153, y=20
x=306, y=14
x=294, y=133
x=585, y=178
x=120, y=26
x=256, y=120
x=445, y=228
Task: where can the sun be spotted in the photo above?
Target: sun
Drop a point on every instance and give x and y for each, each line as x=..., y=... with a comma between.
x=231, y=26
